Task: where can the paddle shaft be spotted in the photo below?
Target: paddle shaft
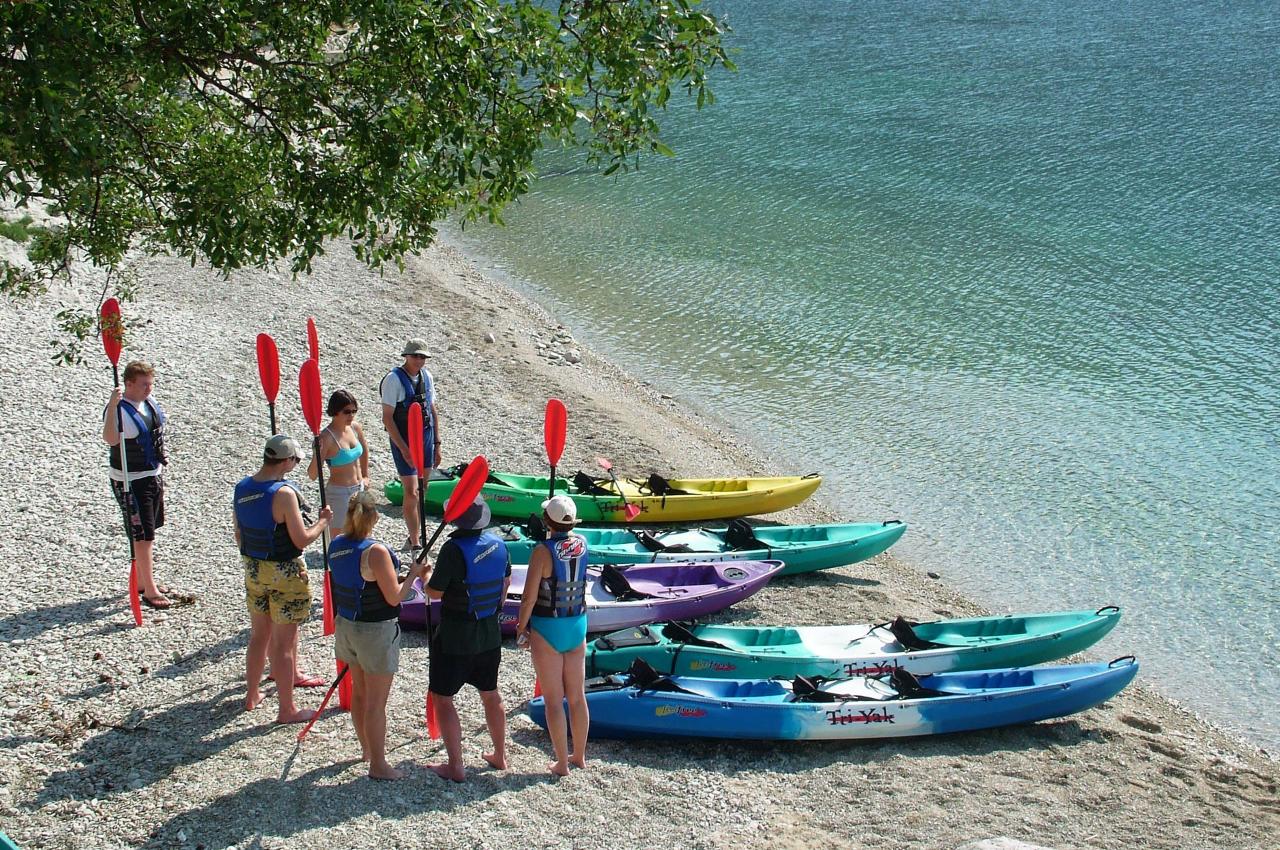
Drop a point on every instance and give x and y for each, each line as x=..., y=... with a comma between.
x=271, y=406
x=124, y=471
x=324, y=702
x=324, y=550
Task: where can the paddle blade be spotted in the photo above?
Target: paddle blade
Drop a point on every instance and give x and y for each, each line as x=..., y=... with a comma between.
x=554, y=429
x=604, y=464
x=135, y=601
x=344, y=688
x=313, y=340
x=537, y=687
x=468, y=488
x=416, y=454
x=268, y=367
x=111, y=327
x=328, y=606
x=309, y=389
x=631, y=511
x=433, y=726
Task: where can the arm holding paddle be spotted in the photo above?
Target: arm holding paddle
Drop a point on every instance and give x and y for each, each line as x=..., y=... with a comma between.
x=110, y=428
x=435, y=431
x=285, y=509
x=394, y=590
x=328, y=449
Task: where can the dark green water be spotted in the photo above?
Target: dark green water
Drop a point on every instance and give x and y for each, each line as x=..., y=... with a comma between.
x=1009, y=272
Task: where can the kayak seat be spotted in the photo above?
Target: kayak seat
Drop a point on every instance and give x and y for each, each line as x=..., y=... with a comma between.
x=617, y=584
x=995, y=627
x=653, y=544
x=589, y=486
x=992, y=680
x=747, y=689
x=677, y=632
x=768, y=636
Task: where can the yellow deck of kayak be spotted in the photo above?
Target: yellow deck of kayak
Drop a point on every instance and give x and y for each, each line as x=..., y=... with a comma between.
x=719, y=498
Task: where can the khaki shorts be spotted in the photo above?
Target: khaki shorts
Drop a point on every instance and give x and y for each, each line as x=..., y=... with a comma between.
x=373, y=647
x=277, y=588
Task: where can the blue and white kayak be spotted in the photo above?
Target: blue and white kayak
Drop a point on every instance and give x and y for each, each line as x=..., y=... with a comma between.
x=642, y=704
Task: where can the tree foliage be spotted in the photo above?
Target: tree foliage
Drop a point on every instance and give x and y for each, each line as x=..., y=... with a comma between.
x=245, y=132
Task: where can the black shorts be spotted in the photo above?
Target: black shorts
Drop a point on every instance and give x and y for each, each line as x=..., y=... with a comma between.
x=147, y=495
x=448, y=673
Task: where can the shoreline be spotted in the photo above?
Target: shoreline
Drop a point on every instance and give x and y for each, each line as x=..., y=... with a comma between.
x=134, y=736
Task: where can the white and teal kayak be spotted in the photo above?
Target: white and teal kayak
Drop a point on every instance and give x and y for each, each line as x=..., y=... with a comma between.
x=803, y=548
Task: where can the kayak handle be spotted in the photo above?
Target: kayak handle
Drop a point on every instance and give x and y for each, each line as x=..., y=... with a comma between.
x=812, y=475
x=891, y=522
x=1128, y=659
x=1105, y=608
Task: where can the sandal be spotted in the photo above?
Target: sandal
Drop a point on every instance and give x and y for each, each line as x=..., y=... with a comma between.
x=160, y=603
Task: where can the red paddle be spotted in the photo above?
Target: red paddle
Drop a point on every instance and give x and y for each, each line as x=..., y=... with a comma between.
x=459, y=500
x=313, y=340
x=111, y=326
x=631, y=511
x=553, y=428
x=309, y=389
x=269, y=373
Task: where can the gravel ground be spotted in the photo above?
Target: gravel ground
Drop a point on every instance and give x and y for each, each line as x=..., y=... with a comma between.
x=115, y=736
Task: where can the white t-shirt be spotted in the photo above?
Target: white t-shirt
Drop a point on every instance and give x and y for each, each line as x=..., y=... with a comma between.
x=130, y=432
x=393, y=390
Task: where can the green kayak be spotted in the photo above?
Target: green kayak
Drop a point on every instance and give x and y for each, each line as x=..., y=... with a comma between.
x=752, y=652
x=803, y=548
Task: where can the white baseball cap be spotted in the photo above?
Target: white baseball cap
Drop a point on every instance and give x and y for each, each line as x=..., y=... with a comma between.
x=561, y=510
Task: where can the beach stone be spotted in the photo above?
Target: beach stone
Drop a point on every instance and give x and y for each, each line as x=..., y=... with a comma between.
x=489, y=337
x=1000, y=844
x=573, y=355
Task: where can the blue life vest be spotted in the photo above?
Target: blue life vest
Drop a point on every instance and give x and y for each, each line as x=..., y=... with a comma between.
x=415, y=395
x=260, y=535
x=486, y=560
x=146, y=451
x=564, y=593
x=353, y=597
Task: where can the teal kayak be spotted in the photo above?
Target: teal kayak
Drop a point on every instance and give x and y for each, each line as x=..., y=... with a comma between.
x=803, y=548
x=753, y=652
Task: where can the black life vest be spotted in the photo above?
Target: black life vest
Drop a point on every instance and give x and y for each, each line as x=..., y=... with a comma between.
x=353, y=597
x=564, y=592
x=485, y=556
x=414, y=393
x=146, y=451
x=260, y=535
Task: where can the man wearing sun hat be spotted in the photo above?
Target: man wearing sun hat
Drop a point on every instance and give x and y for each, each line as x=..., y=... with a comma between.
x=401, y=388
x=271, y=534
x=470, y=578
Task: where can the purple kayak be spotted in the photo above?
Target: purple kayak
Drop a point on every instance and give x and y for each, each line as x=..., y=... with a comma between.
x=620, y=596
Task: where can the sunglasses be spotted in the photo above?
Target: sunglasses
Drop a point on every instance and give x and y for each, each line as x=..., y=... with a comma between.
x=418, y=356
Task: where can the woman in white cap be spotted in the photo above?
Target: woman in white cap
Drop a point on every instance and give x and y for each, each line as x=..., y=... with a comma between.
x=553, y=625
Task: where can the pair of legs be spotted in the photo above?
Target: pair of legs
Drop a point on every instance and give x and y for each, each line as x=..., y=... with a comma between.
x=144, y=559
x=411, y=506
x=495, y=718
x=562, y=675
x=369, y=692
x=279, y=642
x=144, y=506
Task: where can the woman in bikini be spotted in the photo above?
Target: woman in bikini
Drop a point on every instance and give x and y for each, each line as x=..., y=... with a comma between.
x=553, y=626
x=343, y=448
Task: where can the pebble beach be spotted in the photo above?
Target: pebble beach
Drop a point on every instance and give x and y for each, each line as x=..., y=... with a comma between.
x=113, y=736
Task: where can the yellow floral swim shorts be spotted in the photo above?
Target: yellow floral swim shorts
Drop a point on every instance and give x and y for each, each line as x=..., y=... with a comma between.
x=277, y=588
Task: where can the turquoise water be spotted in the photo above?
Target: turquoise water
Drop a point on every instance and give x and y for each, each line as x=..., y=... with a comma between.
x=1009, y=272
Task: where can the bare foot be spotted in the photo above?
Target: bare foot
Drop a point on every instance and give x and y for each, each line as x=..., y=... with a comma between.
x=577, y=761
x=500, y=763
x=302, y=715
x=386, y=772
x=252, y=701
x=558, y=769
x=446, y=771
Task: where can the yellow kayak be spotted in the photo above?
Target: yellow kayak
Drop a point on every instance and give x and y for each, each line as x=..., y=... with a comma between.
x=659, y=500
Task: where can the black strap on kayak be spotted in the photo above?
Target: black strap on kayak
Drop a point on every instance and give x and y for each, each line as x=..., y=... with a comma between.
x=809, y=689
x=534, y=529
x=645, y=678
x=656, y=485
x=902, y=631
x=612, y=580
x=908, y=686
x=681, y=633
x=656, y=546
x=609, y=682
x=588, y=486
x=741, y=537
x=638, y=636
x=456, y=472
